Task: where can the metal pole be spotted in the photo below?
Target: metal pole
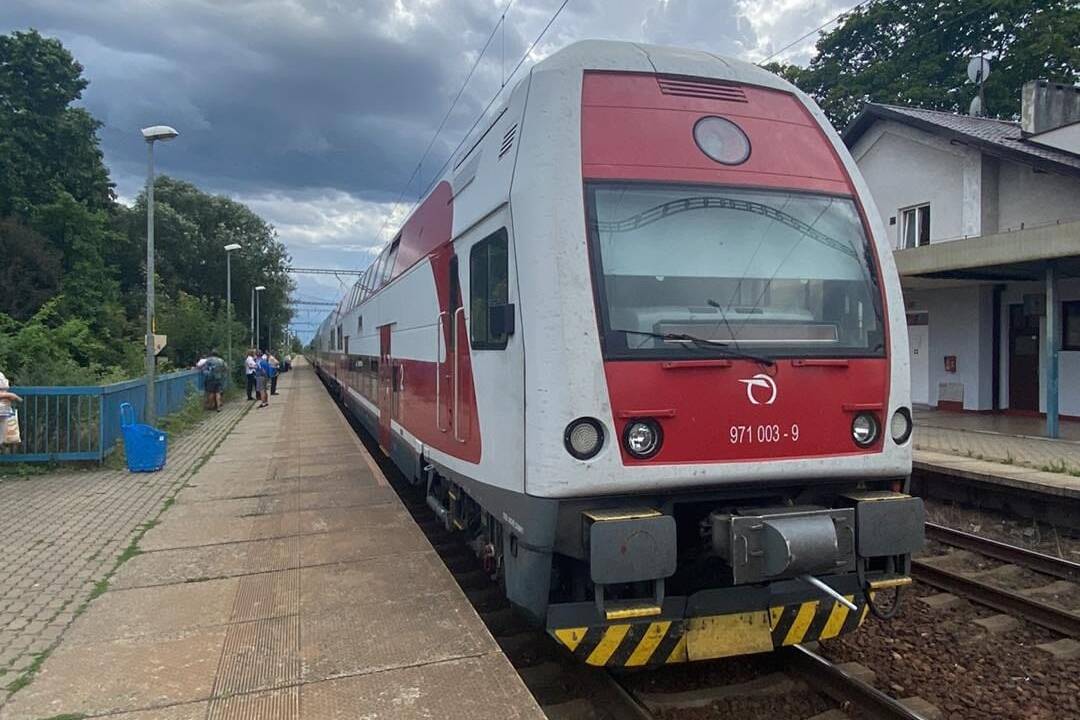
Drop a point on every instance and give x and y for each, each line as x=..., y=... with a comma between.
x=1053, y=345
x=228, y=305
x=251, y=310
x=151, y=414
x=258, y=330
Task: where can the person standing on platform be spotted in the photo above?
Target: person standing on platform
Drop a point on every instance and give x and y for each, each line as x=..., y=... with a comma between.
x=249, y=372
x=262, y=378
x=275, y=368
x=9, y=417
x=214, y=371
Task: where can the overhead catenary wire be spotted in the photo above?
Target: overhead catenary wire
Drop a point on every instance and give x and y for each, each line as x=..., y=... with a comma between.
x=446, y=116
x=818, y=29
x=860, y=5
x=483, y=113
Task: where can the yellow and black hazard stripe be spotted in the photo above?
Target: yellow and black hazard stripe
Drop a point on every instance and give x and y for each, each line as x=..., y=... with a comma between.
x=814, y=620
x=625, y=644
x=665, y=641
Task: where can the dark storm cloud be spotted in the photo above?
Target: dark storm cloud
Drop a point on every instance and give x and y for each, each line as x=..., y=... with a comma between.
x=267, y=94
x=314, y=112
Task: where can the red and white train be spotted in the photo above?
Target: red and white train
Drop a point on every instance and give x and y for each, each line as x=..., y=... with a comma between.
x=645, y=346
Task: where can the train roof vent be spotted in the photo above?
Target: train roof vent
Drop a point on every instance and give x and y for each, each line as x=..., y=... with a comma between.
x=708, y=89
x=508, y=140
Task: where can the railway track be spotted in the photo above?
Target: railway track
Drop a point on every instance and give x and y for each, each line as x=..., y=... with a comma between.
x=801, y=670
x=980, y=587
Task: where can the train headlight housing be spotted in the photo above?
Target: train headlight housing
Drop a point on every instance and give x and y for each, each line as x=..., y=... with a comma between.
x=722, y=140
x=900, y=426
x=584, y=437
x=642, y=438
x=864, y=429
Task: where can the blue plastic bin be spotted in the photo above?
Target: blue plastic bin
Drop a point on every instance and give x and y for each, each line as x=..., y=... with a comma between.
x=144, y=445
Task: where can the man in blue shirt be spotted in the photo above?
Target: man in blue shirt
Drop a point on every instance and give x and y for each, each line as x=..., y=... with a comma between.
x=262, y=377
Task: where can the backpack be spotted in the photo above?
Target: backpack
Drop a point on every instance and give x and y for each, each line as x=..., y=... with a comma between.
x=215, y=369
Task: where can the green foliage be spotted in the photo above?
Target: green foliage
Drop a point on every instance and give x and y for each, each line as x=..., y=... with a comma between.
x=51, y=350
x=73, y=260
x=915, y=52
x=46, y=145
x=195, y=327
x=30, y=270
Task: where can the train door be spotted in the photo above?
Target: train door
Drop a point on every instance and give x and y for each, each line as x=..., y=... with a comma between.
x=386, y=387
x=489, y=297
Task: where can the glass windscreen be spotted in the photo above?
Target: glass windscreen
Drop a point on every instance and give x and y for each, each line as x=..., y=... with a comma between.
x=681, y=270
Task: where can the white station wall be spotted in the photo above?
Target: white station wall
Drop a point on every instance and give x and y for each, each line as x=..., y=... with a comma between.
x=906, y=167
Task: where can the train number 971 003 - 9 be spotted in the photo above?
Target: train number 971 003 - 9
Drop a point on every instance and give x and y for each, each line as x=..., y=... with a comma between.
x=746, y=434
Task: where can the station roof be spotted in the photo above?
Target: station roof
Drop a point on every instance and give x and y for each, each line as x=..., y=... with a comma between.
x=1010, y=256
x=1002, y=138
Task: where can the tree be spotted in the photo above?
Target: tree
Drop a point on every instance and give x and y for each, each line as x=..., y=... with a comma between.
x=915, y=52
x=46, y=145
x=29, y=270
x=191, y=229
x=72, y=260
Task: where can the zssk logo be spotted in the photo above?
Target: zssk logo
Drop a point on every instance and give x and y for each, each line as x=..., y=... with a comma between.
x=761, y=380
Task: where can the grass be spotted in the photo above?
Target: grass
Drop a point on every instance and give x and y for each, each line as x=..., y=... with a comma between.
x=1060, y=466
x=28, y=674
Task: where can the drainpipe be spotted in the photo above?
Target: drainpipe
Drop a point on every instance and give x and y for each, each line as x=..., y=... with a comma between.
x=1053, y=345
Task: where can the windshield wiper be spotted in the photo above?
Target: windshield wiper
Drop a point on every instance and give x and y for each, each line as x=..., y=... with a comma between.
x=703, y=344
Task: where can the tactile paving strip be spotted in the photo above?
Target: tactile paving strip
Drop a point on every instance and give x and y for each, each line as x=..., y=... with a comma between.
x=267, y=595
x=278, y=704
x=259, y=655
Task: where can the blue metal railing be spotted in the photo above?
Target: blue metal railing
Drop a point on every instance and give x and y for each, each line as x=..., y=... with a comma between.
x=83, y=423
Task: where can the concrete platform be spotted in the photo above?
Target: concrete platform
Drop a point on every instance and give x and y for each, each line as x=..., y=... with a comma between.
x=1011, y=476
x=286, y=581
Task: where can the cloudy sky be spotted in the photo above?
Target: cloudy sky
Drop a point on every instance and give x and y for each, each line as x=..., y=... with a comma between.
x=316, y=112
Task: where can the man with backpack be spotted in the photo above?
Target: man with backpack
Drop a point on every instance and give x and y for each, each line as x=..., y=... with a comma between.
x=214, y=370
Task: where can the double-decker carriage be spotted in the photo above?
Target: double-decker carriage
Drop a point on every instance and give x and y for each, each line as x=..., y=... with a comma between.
x=644, y=345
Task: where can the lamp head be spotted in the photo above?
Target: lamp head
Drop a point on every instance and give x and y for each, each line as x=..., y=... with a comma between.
x=158, y=132
x=232, y=246
x=260, y=287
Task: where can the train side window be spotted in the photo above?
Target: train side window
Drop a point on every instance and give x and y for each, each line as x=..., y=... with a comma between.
x=388, y=267
x=491, y=314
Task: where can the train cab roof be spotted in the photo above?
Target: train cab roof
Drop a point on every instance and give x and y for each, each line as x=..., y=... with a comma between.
x=618, y=56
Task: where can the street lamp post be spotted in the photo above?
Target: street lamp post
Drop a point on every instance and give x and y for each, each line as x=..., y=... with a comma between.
x=228, y=297
x=258, y=330
x=152, y=134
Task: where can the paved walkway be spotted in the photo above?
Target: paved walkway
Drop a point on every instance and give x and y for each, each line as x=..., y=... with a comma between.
x=61, y=535
x=1003, y=439
x=287, y=581
x=1002, y=449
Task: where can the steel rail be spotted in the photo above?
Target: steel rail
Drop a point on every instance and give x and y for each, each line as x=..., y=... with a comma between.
x=1039, y=562
x=844, y=687
x=1000, y=599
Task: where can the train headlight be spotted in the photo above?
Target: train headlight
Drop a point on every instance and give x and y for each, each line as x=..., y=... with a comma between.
x=584, y=437
x=864, y=429
x=642, y=438
x=900, y=426
x=722, y=140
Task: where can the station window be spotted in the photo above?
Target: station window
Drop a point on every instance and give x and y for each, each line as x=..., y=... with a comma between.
x=489, y=279
x=915, y=226
x=1070, y=328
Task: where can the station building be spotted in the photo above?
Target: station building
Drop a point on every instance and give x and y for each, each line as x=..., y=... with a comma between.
x=985, y=220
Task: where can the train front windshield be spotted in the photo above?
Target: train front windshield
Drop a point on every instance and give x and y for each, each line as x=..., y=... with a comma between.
x=685, y=271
